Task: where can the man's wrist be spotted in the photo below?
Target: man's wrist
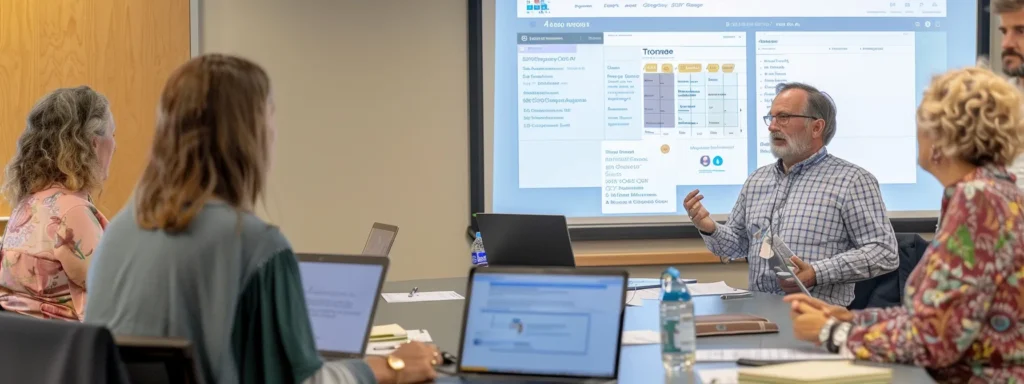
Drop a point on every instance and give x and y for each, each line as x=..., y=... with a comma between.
x=714, y=226
x=382, y=370
x=821, y=269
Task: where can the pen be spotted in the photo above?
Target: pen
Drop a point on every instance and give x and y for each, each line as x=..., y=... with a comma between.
x=388, y=348
x=413, y=291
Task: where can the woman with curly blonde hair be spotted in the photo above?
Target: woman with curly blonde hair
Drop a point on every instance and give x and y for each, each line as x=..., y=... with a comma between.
x=62, y=159
x=962, y=312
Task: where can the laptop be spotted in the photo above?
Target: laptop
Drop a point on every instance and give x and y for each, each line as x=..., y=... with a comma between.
x=526, y=240
x=528, y=324
x=341, y=295
x=535, y=240
x=381, y=238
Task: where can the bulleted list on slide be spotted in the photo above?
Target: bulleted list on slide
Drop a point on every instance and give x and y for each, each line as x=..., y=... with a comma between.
x=634, y=177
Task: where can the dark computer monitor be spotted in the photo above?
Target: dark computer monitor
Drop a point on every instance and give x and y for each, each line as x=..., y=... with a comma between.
x=526, y=240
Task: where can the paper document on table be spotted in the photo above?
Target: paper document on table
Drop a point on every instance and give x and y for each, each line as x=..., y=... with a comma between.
x=636, y=297
x=421, y=296
x=719, y=376
x=767, y=354
x=386, y=347
x=708, y=289
x=640, y=337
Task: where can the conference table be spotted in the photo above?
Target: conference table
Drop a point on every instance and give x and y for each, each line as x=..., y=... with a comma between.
x=637, y=363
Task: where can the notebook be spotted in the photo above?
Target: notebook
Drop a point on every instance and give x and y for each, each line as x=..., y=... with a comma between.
x=816, y=372
x=388, y=332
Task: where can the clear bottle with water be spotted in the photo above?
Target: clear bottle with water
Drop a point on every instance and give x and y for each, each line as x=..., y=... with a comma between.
x=678, y=328
x=477, y=251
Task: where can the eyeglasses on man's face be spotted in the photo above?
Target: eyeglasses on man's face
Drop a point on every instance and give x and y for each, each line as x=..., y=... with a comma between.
x=783, y=118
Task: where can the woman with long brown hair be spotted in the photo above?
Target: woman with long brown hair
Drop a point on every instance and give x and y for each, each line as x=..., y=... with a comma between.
x=62, y=159
x=189, y=258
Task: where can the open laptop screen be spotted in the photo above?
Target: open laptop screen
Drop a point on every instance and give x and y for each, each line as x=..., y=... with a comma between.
x=340, y=298
x=543, y=324
x=380, y=239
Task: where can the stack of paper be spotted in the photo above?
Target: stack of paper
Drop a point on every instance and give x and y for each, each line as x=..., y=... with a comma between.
x=816, y=372
x=386, y=347
x=768, y=354
x=389, y=332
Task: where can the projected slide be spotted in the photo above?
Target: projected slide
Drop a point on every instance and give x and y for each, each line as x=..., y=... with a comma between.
x=618, y=109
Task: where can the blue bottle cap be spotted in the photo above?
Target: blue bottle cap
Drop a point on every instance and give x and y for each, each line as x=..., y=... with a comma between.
x=672, y=271
x=477, y=233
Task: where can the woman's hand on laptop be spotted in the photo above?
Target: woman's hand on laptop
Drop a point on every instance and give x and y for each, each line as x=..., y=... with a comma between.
x=418, y=360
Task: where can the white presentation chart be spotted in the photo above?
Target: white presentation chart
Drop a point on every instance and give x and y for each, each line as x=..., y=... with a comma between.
x=875, y=130
x=677, y=98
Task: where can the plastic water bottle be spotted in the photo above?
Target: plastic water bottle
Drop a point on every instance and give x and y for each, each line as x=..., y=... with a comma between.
x=477, y=251
x=678, y=329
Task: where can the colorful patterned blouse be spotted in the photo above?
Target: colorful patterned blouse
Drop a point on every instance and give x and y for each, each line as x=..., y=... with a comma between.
x=963, y=310
x=46, y=251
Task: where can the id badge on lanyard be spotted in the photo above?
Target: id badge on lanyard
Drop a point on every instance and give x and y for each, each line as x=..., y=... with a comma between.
x=762, y=236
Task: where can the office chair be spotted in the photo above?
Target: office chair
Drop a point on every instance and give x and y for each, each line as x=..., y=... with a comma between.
x=158, y=360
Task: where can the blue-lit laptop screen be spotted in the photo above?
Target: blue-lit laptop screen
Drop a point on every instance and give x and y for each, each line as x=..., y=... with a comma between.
x=559, y=325
x=340, y=299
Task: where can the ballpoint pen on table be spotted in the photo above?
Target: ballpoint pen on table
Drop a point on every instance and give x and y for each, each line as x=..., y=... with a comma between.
x=413, y=291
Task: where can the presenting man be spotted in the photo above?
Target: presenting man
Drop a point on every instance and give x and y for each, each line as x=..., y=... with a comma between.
x=1011, y=25
x=828, y=211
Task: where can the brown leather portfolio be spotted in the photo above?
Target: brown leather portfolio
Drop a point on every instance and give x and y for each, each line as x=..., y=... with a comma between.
x=738, y=324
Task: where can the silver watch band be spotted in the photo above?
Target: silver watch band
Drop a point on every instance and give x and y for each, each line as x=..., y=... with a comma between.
x=826, y=331
x=841, y=334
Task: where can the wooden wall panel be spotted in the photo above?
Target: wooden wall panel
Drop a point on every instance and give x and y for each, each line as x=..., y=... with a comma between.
x=124, y=49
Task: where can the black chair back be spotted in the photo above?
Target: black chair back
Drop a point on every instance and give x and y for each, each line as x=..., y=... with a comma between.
x=56, y=351
x=887, y=290
x=157, y=360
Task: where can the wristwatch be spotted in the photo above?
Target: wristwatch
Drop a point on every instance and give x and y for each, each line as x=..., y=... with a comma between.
x=396, y=364
x=826, y=331
x=839, y=336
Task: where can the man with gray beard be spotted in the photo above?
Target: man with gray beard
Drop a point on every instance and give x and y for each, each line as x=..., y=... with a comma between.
x=1011, y=25
x=827, y=210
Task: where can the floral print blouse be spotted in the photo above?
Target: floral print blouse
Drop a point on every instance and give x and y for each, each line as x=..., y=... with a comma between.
x=963, y=310
x=47, y=246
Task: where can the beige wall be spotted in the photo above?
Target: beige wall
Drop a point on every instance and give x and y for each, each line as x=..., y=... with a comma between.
x=372, y=120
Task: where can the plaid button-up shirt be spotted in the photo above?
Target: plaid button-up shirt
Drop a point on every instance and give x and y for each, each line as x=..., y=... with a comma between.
x=828, y=211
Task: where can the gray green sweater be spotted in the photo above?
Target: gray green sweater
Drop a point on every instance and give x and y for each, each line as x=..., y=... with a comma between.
x=230, y=283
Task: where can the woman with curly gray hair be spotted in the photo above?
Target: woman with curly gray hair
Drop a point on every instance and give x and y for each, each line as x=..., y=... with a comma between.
x=62, y=159
x=962, y=307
